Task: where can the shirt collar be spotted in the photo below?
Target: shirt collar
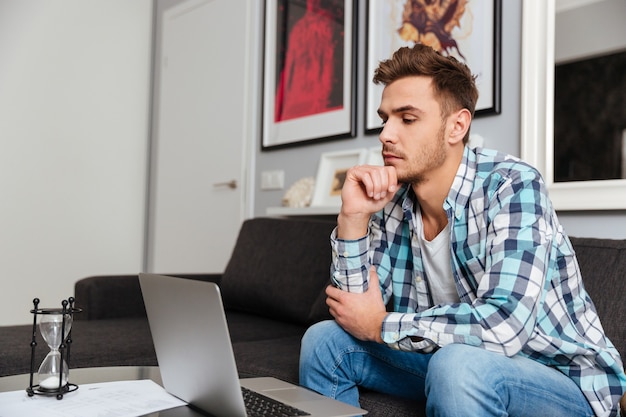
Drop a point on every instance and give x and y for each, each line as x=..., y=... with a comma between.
x=459, y=193
x=462, y=185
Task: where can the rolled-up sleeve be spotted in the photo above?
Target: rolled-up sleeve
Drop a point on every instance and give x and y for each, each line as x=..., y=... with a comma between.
x=350, y=263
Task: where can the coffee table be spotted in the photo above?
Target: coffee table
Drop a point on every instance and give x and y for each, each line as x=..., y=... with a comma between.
x=107, y=374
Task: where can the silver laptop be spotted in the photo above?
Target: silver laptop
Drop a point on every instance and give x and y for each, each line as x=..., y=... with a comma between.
x=196, y=358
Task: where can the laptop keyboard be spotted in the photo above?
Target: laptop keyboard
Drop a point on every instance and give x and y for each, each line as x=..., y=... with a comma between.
x=258, y=405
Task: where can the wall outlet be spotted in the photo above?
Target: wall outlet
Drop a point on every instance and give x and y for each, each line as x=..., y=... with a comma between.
x=273, y=180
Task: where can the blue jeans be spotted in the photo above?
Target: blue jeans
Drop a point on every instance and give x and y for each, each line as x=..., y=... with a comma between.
x=456, y=380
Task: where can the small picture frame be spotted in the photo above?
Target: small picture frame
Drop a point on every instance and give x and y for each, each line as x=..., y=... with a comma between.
x=331, y=174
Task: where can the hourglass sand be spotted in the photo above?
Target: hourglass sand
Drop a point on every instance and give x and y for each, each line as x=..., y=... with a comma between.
x=55, y=327
x=53, y=371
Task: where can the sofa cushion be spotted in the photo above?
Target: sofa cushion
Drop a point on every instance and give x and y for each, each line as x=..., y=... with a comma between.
x=112, y=342
x=279, y=268
x=126, y=342
x=244, y=327
x=278, y=358
x=603, y=266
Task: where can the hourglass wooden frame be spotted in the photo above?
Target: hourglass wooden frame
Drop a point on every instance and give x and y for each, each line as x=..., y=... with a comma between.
x=66, y=310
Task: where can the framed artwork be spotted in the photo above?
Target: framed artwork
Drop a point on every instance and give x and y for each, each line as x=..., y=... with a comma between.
x=468, y=30
x=331, y=175
x=308, y=77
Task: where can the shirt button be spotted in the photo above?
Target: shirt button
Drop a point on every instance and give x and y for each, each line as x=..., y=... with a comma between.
x=418, y=279
x=345, y=254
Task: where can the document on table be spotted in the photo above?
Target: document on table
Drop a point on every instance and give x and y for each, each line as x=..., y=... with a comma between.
x=119, y=399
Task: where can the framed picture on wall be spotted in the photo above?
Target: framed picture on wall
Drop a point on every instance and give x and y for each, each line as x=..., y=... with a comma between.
x=468, y=30
x=331, y=175
x=308, y=81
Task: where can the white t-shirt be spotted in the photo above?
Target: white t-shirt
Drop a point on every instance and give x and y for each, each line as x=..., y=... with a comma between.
x=436, y=259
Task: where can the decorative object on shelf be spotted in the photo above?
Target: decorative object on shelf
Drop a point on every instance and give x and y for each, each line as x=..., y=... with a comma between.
x=309, y=76
x=468, y=30
x=331, y=174
x=300, y=193
x=55, y=326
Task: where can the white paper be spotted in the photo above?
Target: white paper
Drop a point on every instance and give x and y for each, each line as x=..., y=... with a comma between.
x=119, y=399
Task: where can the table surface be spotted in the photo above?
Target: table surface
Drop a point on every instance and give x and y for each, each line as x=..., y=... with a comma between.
x=107, y=374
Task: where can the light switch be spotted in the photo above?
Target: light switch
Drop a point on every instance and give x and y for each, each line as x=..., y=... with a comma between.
x=273, y=180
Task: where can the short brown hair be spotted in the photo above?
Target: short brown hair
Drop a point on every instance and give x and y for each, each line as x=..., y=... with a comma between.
x=453, y=81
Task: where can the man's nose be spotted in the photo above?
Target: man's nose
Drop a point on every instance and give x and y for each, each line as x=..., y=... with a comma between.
x=387, y=135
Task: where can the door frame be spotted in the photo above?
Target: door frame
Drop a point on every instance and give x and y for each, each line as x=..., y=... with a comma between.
x=253, y=56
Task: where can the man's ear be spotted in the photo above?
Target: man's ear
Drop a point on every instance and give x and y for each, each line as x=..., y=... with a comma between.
x=460, y=122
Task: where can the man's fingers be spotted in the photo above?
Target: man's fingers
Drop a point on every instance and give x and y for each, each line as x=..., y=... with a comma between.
x=377, y=181
x=374, y=284
x=373, y=273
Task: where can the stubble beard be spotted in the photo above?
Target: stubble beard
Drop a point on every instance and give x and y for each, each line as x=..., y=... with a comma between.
x=428, y=158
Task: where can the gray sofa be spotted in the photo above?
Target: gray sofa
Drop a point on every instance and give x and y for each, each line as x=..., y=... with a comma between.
x=273, y=289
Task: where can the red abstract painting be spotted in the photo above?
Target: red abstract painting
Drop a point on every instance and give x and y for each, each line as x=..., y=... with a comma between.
x=309, y=59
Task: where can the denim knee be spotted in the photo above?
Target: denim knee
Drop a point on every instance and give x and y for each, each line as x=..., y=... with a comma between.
x=455, y=353
x=319, y=337
x=320, y=332
x=455, y=362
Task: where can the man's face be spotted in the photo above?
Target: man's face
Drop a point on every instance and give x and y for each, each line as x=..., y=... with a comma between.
x=414, y=134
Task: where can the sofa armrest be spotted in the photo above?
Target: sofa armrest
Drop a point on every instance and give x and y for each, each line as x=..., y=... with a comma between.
x=108, y=297
x=117, y=296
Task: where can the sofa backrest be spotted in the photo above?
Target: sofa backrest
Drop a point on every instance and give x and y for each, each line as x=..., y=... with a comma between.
x=603, y=266
x=279, y=269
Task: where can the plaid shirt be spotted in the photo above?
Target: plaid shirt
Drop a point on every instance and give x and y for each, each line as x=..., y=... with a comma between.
x=515, y=272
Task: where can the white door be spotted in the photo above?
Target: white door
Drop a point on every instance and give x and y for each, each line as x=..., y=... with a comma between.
x=202, y=122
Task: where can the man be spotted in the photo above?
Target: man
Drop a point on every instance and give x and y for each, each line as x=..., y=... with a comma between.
x=489, y=316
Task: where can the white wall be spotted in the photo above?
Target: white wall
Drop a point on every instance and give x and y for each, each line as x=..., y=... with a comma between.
x=74, y=117
x=576, y=38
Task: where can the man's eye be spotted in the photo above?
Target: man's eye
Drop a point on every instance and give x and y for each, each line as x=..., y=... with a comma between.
x=407, y=120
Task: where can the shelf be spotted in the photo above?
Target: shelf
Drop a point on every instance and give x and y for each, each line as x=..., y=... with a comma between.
x=303, y=211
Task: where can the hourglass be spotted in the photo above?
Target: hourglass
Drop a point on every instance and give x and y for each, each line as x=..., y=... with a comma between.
x=55, y=327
